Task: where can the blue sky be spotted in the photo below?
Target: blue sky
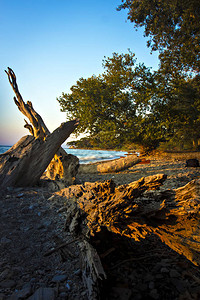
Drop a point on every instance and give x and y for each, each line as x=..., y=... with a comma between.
x=50, y=44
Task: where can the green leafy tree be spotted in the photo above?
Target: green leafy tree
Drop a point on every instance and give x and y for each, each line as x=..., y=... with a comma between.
x=172, y=27
x=109, y=105
x=180, y=111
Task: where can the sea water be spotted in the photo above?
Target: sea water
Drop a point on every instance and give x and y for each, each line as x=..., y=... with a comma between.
x=86, y=156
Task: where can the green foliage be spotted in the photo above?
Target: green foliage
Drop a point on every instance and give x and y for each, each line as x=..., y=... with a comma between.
x=128, y=104
x=108, y=105
x=172, y=27
x=180, y=111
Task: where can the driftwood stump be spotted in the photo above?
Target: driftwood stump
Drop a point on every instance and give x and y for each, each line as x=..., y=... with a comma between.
x=63, y=166
x=26, y=161
x=136, y=211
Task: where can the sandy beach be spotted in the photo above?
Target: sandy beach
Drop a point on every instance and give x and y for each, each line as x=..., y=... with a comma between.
x=31, y=224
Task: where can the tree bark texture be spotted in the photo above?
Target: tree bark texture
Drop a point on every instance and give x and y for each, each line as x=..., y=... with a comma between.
x=63, y=166
x=26, y=161
x=137, y=210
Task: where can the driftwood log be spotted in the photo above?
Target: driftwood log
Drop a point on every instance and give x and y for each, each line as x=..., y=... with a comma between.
x=26, y=161
x=134, y=211
x=63, y=166
x=112, y=166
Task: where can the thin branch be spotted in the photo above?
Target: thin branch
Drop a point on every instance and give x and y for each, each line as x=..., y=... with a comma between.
x=39, y=128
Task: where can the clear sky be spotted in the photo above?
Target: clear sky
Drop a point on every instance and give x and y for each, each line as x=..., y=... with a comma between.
x=50, y=44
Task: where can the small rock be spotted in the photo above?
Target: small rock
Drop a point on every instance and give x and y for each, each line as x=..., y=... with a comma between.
x=33, y=280
x=25, y=228
x=5, y=274
x=40, y=272
x=166, y=261
x=84, y=293
x=20, y=195
x=21, y=294
x=7, y=283
x=148, y=277
x=142, y=287
x=164, y=270
x=136, y=295
x=68, y=286
x=122, y=293
x=193, y=162
x=179, y=284
x=154, y=294
x=151, y=285
x=63, y=295
x=17, y=190
x=133, y=276
x=47, y=223
x=43, y=294
x=159, y=276
x=4, y=240
x=32, y=206
x=59, y=278
x=174, y=273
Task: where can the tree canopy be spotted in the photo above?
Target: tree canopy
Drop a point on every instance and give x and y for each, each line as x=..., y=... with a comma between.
x=108, y=105
x=128, y=103
x=172, y=27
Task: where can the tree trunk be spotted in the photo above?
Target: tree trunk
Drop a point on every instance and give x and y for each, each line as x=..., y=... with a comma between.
x=112, y=166
x=63, y=166
x=137, y=210
x=26, y=161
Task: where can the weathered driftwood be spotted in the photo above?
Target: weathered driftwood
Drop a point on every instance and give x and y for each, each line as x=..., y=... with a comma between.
x=26, y=161
x=92, y=270
x=63, y=166
x=137, y=210
x=112, y=166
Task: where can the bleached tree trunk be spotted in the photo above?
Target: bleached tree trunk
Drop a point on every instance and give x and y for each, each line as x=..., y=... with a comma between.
x=112, y=166
x=63, y=166
x=26, y=161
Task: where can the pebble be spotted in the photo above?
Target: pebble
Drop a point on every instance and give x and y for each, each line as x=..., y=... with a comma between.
x=21, y=294
x=59, y=278
x=43, y=294
x=164, y=270
x=7, y=283
x=68, y=286
x=159, y=276
x=174, y=273
x=151, y=285
x=63, y=295
x=142, y=287
x=47, y=223
x=148, y=277
x=5, y=240
x=154, y=294
x=4, y=274
x=20, y=195
x=179, y=284
x=122, y=293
